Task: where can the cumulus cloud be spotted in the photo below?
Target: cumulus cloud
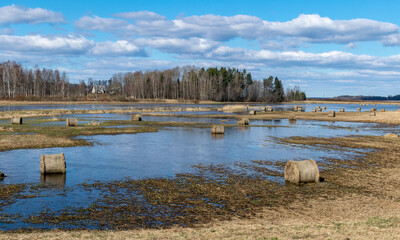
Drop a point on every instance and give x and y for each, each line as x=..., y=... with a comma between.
x=351, y=45
x=101, y=24
x=178, y=45
x=336, y=63
x=31, y=60
x=391, y=40
x=141, y=15
x=303, y=29
x=282, y=43
x=45, y=44
x=286, y=59
x=70, y=44
x=126, y=64
x=17, y=14
x=315, y=28
x=118, y=48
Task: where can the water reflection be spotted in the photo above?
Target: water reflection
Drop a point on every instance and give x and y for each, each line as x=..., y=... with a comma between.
x=217, y=136
x=243, y=128
x=53, y=180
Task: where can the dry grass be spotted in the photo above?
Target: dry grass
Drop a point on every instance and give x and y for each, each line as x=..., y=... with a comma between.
x=364, y=228
x=30, y=136
x=9, y=142
x=234, y=108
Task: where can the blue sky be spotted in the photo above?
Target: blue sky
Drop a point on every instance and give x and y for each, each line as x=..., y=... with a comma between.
x=328, y=48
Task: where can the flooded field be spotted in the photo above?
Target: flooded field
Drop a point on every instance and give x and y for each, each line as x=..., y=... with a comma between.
x=165, y=154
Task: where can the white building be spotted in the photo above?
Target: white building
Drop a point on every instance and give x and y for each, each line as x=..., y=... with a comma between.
x=99, y=89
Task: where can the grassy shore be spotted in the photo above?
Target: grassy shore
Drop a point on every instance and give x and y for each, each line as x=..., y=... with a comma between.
x=30, y=135
x=180, y=101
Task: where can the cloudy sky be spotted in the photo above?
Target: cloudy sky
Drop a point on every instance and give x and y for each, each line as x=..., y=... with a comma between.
x=328, y=48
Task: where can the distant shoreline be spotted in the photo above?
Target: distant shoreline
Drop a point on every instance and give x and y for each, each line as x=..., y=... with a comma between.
x=175, y=101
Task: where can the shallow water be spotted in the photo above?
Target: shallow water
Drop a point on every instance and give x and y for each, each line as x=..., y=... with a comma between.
x=166, y=152
x=163, y=154
x=145, y=155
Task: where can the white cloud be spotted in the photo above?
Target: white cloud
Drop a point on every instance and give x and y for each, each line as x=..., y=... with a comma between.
x=391, y=40
x=315, y=28
x=282, y=43
x=118, y=48
x=351, y=45
x=141, y=15
x=100, y=24
x=303, y=29
x=17, y=14
x=71, y=45
x=344, y=81
x=45, y=44
x=30, y=60
x=127, y=64
x=178, y=45
x=287, y=59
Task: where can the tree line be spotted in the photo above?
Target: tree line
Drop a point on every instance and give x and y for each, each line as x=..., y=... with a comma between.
x=18, y=82
x=368, y=98
x=216, y=84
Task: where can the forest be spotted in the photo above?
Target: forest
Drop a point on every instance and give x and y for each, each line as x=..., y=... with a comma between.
x=188, y=83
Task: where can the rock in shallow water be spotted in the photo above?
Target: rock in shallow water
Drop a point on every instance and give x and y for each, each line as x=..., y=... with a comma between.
x=2, y=176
